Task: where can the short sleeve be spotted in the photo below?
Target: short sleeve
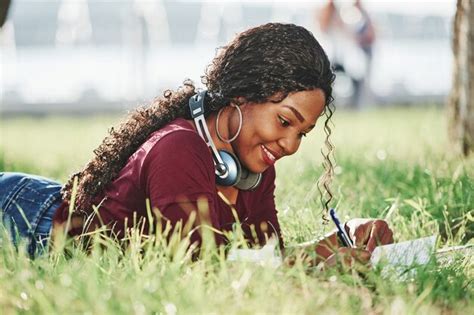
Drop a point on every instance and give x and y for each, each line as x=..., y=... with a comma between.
x=177, y=172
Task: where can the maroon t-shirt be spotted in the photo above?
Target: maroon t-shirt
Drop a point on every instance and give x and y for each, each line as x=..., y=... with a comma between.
x=173, y=169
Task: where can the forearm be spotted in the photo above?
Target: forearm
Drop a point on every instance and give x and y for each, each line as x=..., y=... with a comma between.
x=314, y=251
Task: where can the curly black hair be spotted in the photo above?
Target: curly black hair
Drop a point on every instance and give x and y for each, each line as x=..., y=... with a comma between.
x=259, y=63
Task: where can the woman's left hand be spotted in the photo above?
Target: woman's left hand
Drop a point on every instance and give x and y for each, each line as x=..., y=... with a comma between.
x=369, y=233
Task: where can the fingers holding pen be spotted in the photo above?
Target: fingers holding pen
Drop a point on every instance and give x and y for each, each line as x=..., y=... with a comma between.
x=369, y=233
x=359, y=231
x=380, y=234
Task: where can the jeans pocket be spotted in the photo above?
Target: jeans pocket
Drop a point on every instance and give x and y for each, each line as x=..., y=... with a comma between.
x=35, y=199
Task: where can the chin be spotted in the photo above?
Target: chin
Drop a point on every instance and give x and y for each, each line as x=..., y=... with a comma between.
x=253, y=163
x=255, y=168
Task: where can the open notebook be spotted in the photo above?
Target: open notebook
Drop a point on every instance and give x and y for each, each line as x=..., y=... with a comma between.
x=418, y=252
x=406, y=253
x=397, y=259
x=394, y=257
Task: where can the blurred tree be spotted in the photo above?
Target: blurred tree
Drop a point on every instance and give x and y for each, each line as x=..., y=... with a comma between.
x=461, y=101
x=4, y=5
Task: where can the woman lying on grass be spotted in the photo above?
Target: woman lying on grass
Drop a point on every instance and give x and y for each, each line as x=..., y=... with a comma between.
x=264, y=92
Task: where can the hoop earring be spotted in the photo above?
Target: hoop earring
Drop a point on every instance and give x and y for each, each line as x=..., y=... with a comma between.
x=238, y=129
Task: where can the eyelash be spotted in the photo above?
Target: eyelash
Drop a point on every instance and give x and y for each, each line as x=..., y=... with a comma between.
x=286, y=123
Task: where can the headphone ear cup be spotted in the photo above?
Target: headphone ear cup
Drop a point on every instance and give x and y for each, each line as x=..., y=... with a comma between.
x=249, y=180
x=234, y=169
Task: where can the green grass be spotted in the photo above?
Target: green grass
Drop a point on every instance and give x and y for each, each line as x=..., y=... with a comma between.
x=395, y=164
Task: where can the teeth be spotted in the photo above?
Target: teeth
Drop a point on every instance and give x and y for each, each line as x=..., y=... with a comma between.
x=268, y=153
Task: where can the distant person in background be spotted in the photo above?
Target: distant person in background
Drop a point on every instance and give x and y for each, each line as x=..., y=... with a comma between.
x=364, y=35
x=331, y=23
x=4, y=5
x=350, y=23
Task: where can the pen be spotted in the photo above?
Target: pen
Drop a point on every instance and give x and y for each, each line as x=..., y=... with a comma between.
x=341, y=232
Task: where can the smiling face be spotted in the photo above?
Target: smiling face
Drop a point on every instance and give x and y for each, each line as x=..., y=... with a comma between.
x=273, y=130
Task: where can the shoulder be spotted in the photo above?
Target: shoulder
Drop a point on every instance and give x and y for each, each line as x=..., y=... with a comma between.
x=175, y=138
x=178, y=141
x=180, y=144
x=179, y=164
x=180, y=150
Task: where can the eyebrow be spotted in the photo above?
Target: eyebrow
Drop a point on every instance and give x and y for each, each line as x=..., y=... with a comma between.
x=296, y=112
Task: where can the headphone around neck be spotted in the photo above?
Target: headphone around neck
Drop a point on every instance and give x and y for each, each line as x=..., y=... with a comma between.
x=228, y=170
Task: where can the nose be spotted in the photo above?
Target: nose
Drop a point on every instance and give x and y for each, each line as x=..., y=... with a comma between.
x=289, y=144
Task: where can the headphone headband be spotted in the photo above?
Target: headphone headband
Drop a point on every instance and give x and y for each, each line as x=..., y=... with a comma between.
x=196, y=106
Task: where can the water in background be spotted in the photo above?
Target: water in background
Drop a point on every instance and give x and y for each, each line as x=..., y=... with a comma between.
x=412, y=62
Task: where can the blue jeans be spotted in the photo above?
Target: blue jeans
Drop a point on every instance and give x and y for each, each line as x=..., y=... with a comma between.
x=27, y=207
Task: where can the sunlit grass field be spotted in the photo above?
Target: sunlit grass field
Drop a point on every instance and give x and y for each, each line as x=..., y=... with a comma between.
x=394, y=164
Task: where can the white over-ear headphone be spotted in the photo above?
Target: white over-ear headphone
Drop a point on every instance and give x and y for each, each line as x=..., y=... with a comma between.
x=228, y=169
